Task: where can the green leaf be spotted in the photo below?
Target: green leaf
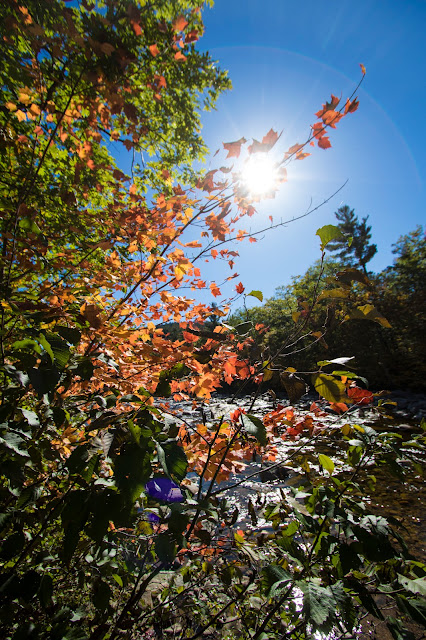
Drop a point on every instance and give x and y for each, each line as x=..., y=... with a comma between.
x=27, y=343
x=82, y=462
x=243, y=328
x=165, y=548
x=256, y=294
x=44, y=379
x=326, y=463
x=45, y=592
x=29, y=225
x=173, y=460
x=12, y=546
x=328, y=233
x=368, y=312
x=333, y=293
x=414, y=608
x=101, y=595
x=132, y=469
x=347, y=276
x=255, y=427
x=14, y=442
x=31, y=418
x=29, y=585
x=69, y=334
x=118, y=579
x=59, y=348
x=414, y=586
x=398, y=631
x=46, y=346
x=318, y=603
x=329, y=388
x=274, y=578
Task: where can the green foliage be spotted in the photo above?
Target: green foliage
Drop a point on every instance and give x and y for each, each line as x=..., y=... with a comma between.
x=353, y=247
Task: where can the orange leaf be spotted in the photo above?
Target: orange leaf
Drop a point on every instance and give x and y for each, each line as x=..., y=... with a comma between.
x=179, y=56
x=154, y=49
x=234, y=148
x=136, y=27
x=350, y=107
x=180, y=23
x=362, y=68
x=215, y=289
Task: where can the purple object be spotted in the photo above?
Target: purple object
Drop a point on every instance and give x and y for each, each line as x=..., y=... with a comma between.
x=164, y=489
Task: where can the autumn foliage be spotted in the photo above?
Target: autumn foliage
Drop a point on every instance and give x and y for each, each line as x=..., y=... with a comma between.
x=104, y=228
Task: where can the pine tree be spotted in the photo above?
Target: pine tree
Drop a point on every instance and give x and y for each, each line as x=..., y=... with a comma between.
x=359, y=251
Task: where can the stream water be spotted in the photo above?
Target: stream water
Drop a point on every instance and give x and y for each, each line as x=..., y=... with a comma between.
x=402, y=500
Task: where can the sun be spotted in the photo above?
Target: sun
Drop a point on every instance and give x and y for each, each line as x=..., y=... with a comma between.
x=260, y=174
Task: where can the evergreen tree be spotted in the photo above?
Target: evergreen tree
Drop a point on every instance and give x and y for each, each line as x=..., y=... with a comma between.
x=359, y=252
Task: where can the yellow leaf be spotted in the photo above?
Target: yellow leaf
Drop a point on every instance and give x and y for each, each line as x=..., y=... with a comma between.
x=23, y=96
x=11, y=106
x=21, y=115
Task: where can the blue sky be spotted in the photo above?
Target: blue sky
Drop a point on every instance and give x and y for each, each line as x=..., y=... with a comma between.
x=285, y=59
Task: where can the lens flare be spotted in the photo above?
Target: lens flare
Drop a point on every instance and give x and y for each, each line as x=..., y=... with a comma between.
x=260, y=174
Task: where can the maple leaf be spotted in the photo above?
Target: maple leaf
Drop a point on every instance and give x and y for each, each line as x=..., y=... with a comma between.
x=360, y=396
x=215, y=289
x=179, y=56
x=268, y=141
x=350, y=107
x=154, y=50
x=240, y=288
x=324, y=142
x=192, y=36
x=207, y=183
x=234, y=148
x=180, y=23
x=136, y=27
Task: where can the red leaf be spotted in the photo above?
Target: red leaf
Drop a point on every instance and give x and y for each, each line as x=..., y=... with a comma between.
x=324, y=142
x=234, y=148
x=192, y=36
x=239, y=288
x=360, y=396
x=154, y=49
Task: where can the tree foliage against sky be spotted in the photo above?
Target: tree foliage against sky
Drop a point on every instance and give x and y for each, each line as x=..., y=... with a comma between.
x=354, y=247
x=112, y=519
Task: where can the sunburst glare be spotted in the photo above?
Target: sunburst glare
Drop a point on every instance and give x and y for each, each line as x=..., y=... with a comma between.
x=260, y=174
